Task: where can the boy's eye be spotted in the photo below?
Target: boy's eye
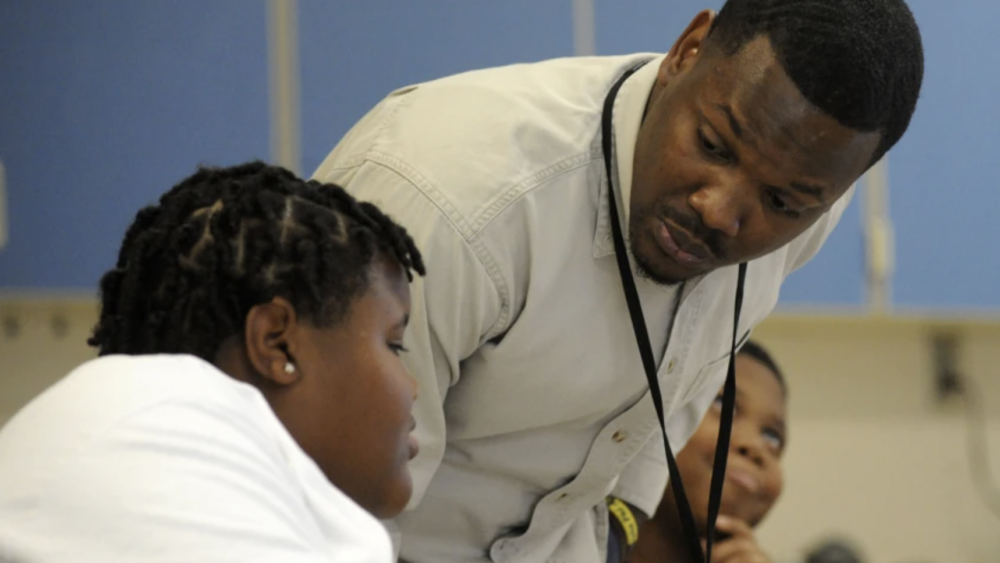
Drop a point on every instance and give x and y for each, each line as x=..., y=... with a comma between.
x=774, y=439
x=717, y=404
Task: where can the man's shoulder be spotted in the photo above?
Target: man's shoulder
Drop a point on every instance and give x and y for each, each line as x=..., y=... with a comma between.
x=487, y=136
x=528, y=112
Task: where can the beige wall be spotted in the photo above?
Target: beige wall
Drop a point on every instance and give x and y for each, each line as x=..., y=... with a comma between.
x=40, y=341
x=871, y=455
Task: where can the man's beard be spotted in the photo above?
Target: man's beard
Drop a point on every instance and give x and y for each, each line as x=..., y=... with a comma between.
x=643, y=217
x=642, y=267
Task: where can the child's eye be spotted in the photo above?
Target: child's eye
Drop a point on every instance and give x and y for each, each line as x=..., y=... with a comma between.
x=717, y=404
x=774, y=439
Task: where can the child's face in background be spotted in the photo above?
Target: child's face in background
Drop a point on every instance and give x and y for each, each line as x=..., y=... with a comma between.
x=754, y=477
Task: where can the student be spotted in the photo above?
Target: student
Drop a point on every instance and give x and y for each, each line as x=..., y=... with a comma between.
x=753, y=474
x=249, y=402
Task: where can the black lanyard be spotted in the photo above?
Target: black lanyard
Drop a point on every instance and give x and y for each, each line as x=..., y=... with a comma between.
x=646, y=352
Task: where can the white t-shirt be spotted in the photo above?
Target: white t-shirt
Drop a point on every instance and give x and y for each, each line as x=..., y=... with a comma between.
x=165, y=458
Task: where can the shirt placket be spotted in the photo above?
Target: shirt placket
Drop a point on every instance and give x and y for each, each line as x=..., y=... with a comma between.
x=612, y=450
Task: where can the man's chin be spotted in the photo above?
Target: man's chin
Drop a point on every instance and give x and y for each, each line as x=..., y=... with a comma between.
x=661, y=274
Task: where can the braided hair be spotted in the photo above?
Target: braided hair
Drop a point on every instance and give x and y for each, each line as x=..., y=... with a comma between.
x=226, y=239
x=860, y=62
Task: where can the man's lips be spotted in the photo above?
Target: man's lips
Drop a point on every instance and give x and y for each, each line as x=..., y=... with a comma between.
x=680, y=245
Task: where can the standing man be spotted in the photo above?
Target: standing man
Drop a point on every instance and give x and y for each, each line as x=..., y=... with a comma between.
x=739, y=145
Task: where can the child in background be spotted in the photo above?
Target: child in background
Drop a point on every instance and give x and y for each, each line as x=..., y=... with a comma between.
x=753, y=474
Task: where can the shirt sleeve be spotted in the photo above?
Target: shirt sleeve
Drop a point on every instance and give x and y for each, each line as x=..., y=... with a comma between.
x=454, y=308
x=642, y=482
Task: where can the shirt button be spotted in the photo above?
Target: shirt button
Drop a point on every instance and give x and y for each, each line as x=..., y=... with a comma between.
x=496, y=550
x=562, y=496
x=619, y=436
x=670, y=366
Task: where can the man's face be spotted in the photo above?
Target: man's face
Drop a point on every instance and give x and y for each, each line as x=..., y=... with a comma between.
x=731, y=161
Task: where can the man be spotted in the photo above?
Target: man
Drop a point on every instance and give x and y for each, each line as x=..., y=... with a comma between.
x=739, y=145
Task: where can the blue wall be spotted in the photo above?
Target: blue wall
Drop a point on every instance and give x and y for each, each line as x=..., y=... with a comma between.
x=943, y=176
x=353, y=54
x=107, y=103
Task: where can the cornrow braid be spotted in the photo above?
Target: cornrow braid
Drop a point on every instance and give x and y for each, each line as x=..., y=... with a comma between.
x=226, y=239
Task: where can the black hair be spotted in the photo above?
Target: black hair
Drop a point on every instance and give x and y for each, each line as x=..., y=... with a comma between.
x=761, y=355
x=226, y=239
x=859, y=61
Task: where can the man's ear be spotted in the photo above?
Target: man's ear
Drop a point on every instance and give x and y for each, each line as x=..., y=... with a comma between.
x=688, y=47
x=270, y=338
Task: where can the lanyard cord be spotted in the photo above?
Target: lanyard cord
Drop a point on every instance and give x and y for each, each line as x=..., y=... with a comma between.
x=648, y=363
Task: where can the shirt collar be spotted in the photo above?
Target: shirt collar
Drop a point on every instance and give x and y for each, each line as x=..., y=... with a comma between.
x=629, y=107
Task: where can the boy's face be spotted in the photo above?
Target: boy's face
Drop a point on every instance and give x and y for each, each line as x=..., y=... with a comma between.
x=753, y=475
x=350, y=407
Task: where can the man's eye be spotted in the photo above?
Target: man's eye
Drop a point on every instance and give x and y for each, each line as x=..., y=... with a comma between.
x=779, y=204
x=711, y=148
x=707, y=145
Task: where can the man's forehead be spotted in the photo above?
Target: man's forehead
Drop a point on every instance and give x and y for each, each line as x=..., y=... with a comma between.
x=753, y=93
x=753, y=61
x=753, y=75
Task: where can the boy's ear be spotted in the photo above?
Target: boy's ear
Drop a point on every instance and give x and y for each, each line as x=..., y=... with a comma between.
x=270, y=338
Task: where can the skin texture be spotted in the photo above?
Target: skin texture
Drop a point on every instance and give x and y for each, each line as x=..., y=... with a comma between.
x=731, y=161
x=347, y=402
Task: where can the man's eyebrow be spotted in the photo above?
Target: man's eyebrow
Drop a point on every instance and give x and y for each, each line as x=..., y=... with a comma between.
x=734, y=123
x=809, y=189
x=739, y=131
